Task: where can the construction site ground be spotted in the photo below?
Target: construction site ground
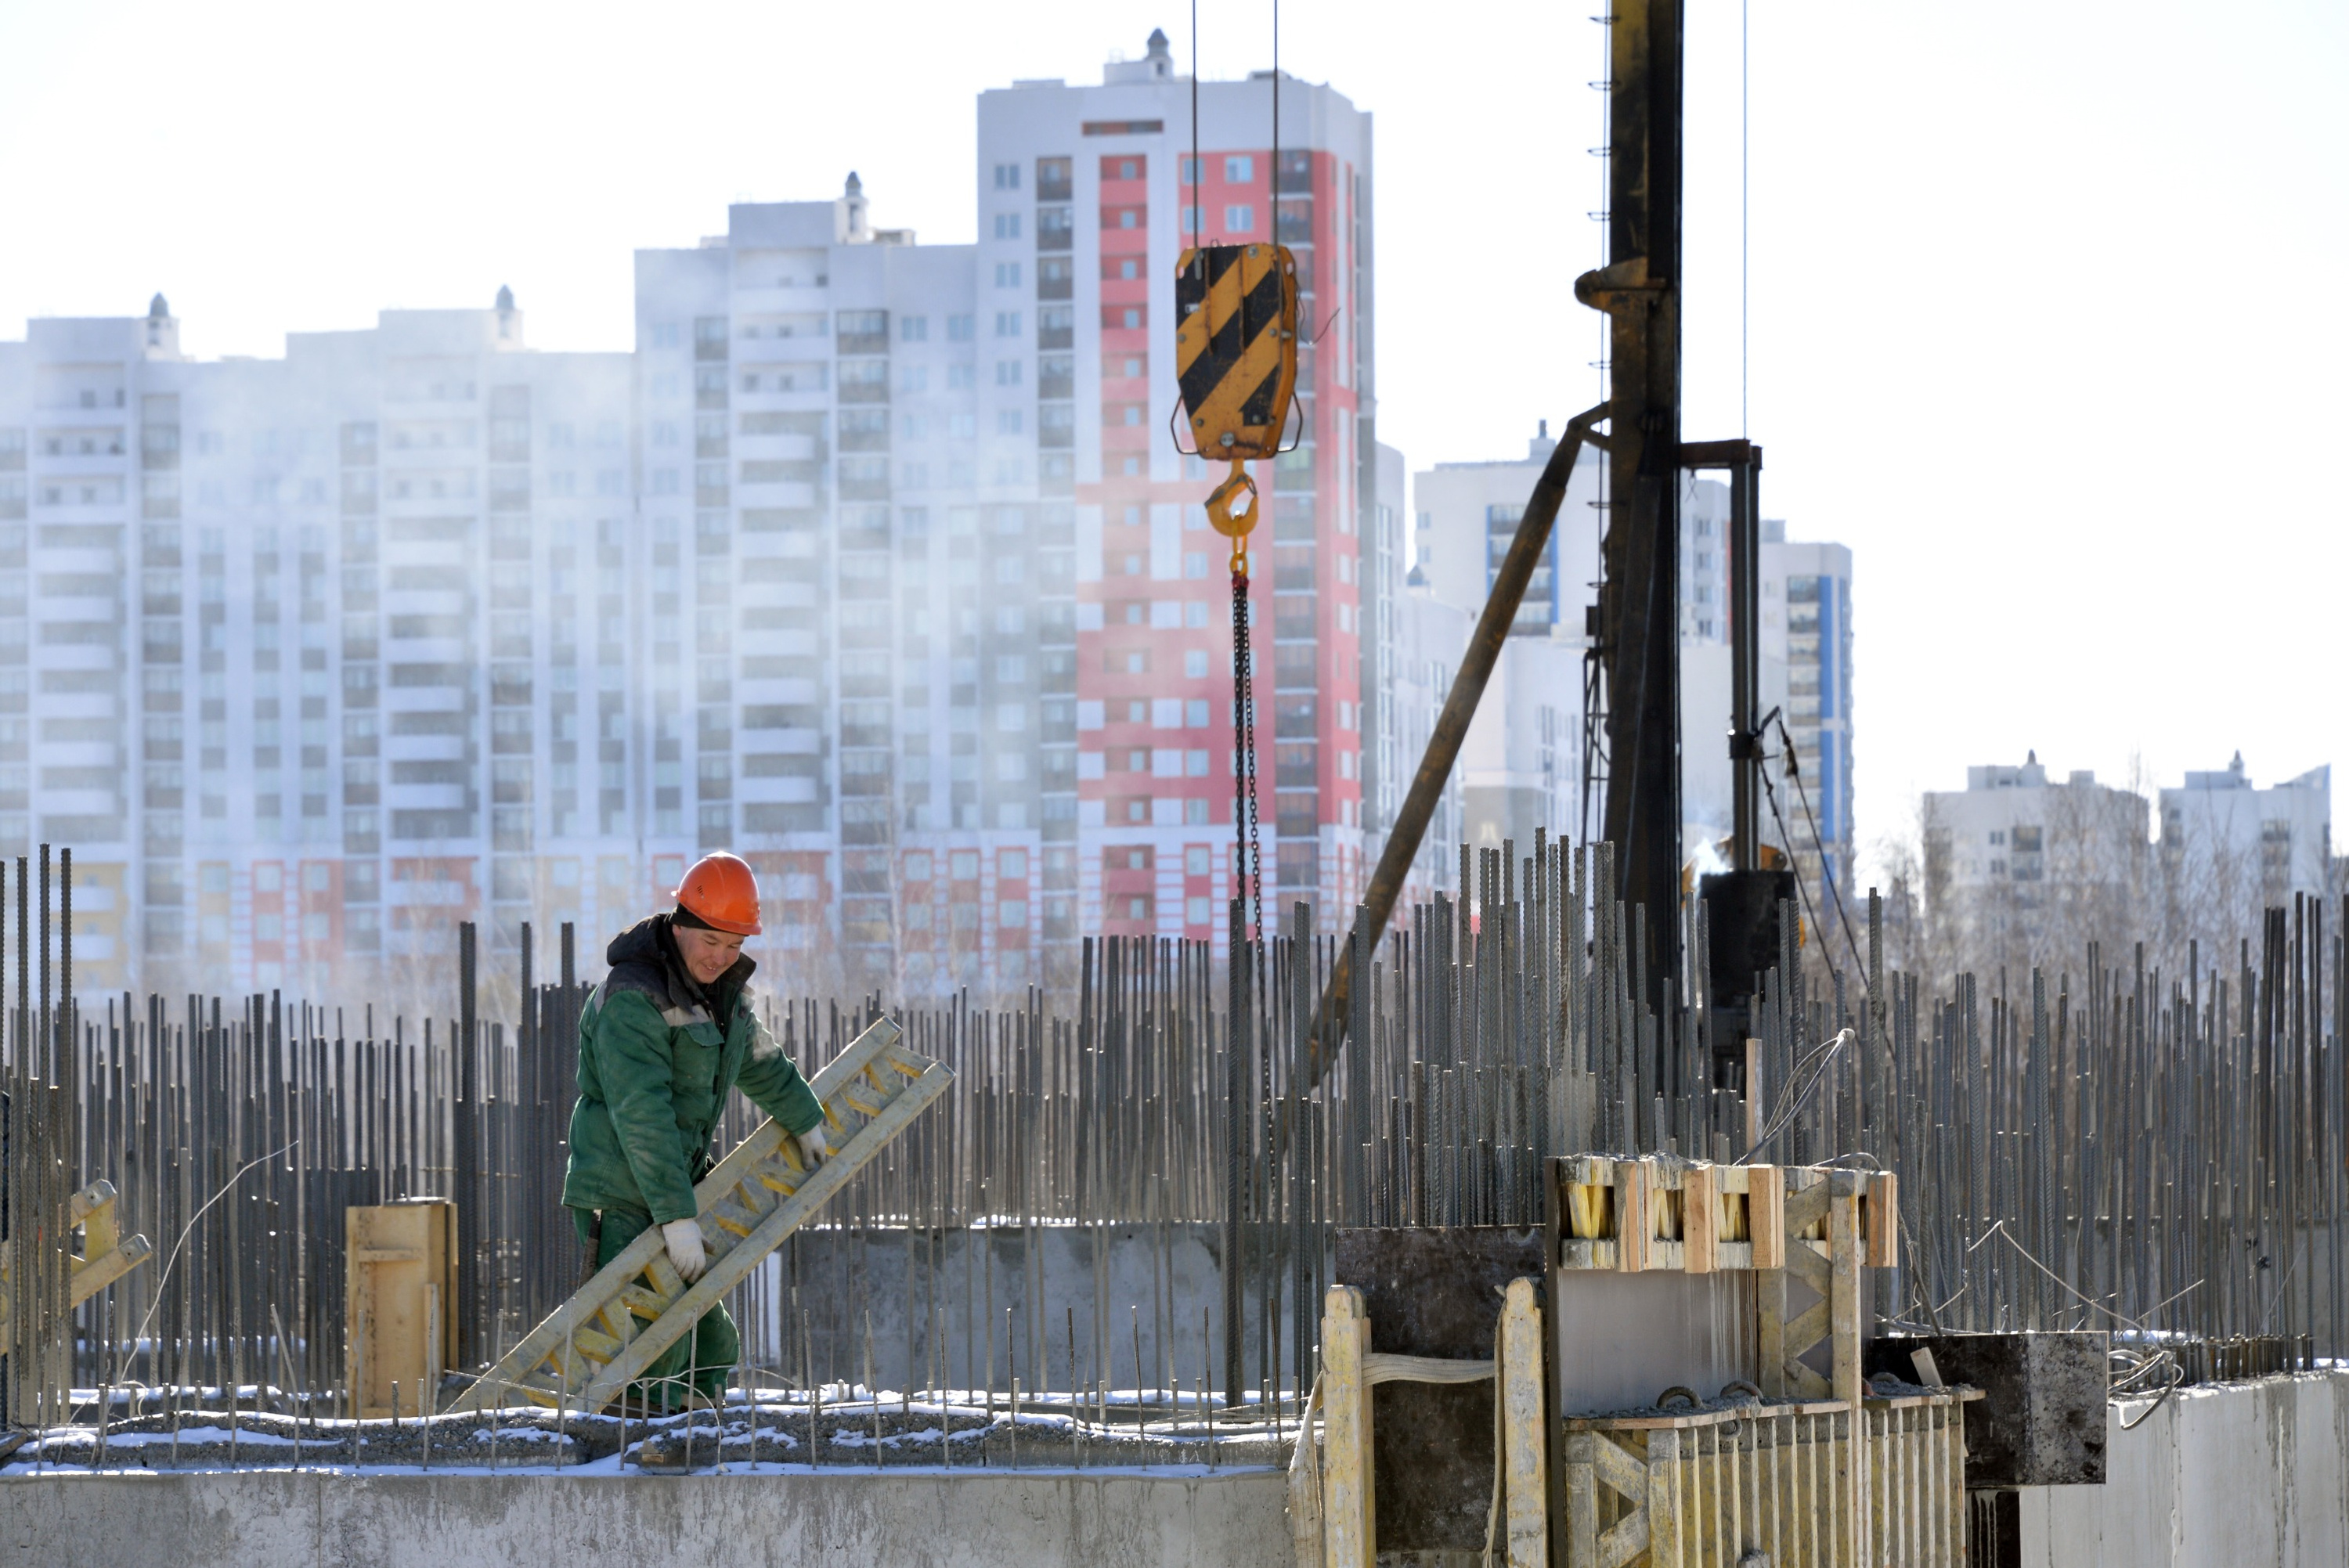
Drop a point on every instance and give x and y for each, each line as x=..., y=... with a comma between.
x=2250, y=1472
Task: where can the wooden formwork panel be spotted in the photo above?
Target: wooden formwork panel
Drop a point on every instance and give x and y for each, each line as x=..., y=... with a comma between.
x=400, y=1259
x=1632, y=1215
x=1787, y=1480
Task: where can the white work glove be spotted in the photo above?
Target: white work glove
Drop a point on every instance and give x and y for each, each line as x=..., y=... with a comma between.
x=813, y=1152
x=683, y=1238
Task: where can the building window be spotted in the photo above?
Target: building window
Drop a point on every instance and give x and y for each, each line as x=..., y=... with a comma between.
x=1240, y=220
x=1238, y=168
x=1007, y=225
x=1007, y=274
x=1007, y=176
x=1006, y=324
x=914, y=329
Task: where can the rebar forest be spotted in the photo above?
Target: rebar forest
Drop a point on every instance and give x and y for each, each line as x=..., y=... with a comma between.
x=2109, y=1146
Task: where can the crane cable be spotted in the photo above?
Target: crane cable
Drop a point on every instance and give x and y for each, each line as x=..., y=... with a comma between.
x=1240, y=486
x=1247, y=870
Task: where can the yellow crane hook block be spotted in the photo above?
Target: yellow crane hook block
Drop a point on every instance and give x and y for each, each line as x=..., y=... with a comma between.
x=1235, y=360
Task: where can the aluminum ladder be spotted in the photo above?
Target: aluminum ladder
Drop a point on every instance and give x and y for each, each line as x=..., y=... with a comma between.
x=589, y=1349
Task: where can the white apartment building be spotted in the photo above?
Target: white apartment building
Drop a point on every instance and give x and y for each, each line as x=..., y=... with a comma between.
x=1521, y=766
x=872, y=560
x=877, y=707
x=2018, y=867
x=350, y=697
x=2229, y=850
x=1408, y=643
x=1524, y=761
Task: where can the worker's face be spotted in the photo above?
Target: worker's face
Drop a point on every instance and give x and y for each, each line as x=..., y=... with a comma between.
x=707, y=954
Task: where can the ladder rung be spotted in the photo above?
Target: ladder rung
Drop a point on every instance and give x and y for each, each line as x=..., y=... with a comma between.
x=594, y=1343
x=783, y=1183
x=666, y=1281
x=733, y=1216
x=643, y=1302
x=618, y=1322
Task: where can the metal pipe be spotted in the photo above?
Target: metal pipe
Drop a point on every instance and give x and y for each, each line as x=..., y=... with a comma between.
x=1443, y=743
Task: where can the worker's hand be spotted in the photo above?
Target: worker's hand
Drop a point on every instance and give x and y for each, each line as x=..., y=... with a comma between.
x=685, y=1255
x=813, y=1152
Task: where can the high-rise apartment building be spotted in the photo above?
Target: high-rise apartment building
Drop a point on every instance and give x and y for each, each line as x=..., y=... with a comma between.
x=867, y=682
x=1806, y=640
x=1410, y=646
x=1088, y=196
x=1527, y=759
x=1521, y=766
x=301, y=669
x=872, y=561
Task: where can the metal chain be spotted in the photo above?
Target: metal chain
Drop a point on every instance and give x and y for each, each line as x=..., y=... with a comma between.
x=1247, y=871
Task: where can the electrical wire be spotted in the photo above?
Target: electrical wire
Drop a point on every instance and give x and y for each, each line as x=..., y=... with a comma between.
x=1803, y=892
x=1815, y=1063
x=164, y=1275
x=1794, y=772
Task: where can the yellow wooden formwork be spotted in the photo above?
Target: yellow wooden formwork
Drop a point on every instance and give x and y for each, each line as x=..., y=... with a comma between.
x=398, y=1261
x=1850, y=1505
x=106, y=1254
x=1630, y=1216
x=1347, y=1533
x=589, y=1349
x=1706, y=1488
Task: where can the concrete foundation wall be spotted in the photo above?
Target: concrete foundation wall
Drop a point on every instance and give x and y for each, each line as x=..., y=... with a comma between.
x=934, y=1300
x=285, y=1520
x=2242, y=1475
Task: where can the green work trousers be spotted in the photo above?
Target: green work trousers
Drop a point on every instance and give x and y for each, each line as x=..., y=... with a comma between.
x=702, y=1357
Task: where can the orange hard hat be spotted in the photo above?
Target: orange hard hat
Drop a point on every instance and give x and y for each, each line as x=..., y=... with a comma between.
x=720, y=892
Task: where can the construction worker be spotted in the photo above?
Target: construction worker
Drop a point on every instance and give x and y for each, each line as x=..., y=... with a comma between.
x=661, y=1041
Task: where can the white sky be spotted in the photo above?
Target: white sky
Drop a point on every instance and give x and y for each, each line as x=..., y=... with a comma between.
x=2048, y=318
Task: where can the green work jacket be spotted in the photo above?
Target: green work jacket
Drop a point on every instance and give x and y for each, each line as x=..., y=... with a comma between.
x=654, y=1065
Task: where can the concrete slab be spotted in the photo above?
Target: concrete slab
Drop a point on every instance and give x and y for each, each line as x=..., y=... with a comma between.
x=908, y=1520
x=2243, y=1475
